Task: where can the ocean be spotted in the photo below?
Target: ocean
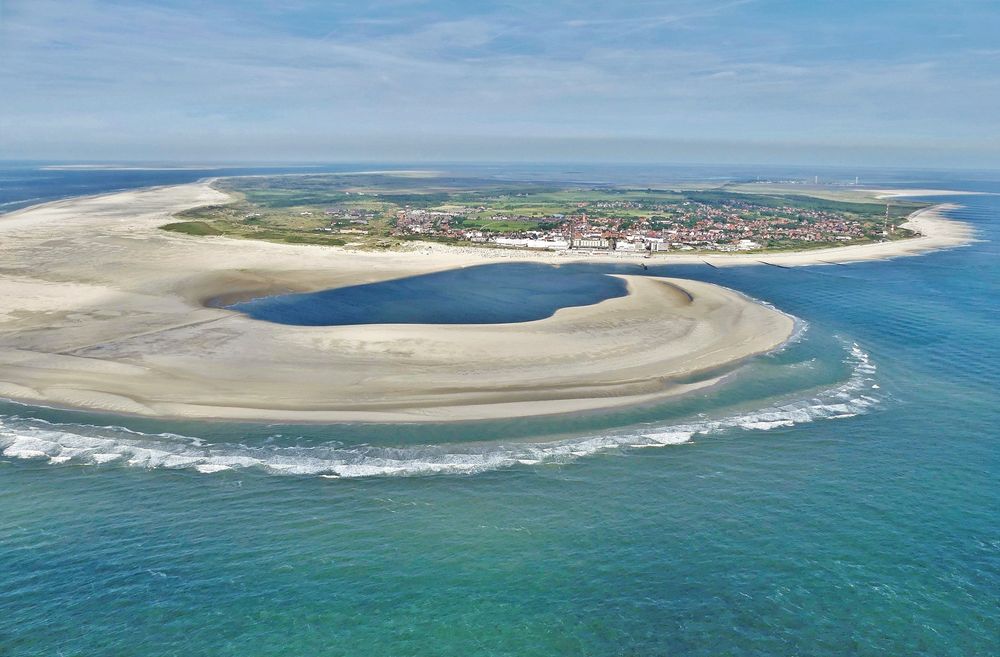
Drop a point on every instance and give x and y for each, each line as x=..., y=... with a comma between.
x=837, y=497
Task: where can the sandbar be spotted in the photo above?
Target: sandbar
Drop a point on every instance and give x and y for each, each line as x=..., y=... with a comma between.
x=102, y=310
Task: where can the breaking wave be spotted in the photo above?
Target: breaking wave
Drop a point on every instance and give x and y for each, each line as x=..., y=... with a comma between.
x=56, y=443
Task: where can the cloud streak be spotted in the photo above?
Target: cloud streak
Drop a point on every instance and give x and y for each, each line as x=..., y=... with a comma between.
x=124, y=79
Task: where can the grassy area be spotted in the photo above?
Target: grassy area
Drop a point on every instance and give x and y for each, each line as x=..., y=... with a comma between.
x=491, y=225
x=199, y=228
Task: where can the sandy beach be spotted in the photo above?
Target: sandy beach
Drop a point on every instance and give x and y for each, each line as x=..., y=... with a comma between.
x=102, y=310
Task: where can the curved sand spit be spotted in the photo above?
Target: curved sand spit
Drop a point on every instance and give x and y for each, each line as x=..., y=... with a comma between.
x=101, y=310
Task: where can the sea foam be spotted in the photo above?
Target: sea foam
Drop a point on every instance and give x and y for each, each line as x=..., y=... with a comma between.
x=22, y=438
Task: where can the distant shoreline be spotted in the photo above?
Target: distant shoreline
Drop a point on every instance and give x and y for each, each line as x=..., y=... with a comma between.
x=936, y=232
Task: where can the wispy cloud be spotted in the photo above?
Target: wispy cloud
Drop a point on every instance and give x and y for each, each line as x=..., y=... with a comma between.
x=102, y=72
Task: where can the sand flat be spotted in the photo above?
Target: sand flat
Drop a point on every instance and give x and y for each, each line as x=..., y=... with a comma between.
x=102, y=310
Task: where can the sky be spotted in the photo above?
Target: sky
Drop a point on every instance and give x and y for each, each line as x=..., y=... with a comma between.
x=890, y=82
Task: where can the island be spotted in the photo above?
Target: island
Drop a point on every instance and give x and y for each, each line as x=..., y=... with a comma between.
x=121, y=302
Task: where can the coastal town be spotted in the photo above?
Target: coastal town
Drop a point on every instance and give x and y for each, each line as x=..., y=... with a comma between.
x=386, y=213
x=687, y=226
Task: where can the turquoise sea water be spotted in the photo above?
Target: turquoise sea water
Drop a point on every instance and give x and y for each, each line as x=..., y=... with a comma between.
x=839, y=497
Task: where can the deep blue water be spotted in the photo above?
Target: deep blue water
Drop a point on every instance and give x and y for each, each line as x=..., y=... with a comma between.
x=839, y=497
x=489, y=294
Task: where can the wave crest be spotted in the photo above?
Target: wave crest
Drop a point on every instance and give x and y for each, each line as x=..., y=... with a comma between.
x=57, y=443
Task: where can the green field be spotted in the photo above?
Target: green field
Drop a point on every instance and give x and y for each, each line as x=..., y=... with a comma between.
x=193, y=228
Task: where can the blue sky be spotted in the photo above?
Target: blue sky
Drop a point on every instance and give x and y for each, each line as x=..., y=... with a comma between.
x=848, y=82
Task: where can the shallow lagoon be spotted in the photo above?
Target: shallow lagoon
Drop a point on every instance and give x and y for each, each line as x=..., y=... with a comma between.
x=487, y=294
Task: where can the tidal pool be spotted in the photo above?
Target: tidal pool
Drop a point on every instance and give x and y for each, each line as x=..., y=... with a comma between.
x=488, y=294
